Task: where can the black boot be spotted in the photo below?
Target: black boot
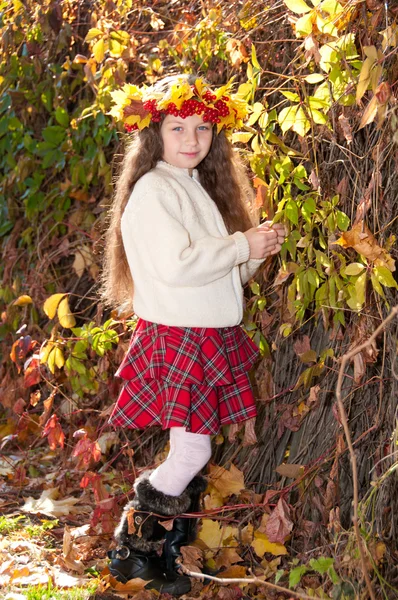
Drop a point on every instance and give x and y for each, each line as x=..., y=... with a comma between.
x=184, y=529
x=137, y=554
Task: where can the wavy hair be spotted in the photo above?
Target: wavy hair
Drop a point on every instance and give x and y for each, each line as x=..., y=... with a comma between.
x=221, y=174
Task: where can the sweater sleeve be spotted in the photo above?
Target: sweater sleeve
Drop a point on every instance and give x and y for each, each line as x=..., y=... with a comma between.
x=248, y=269
x=152, y=223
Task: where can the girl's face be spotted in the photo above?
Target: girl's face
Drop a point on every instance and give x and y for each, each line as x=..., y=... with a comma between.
x=187, y=141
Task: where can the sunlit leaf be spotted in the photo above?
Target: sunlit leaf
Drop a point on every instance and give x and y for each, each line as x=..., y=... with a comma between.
x=297, y=6
x=51, y=304
x=65, y=316
x=23, y=301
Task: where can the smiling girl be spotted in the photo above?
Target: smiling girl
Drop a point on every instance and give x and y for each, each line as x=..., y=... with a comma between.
x=180, y=247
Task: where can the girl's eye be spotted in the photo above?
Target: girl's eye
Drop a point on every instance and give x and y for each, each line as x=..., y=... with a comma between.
x=177, y=128
x=204, y=128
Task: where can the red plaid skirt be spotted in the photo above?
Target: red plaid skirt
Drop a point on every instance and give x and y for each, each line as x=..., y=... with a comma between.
x=189, y=377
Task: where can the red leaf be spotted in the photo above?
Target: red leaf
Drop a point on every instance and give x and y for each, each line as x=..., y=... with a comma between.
x=279, y=524
x=32, y=375
x=53, y=430
x=20, y=349
x=86, y=451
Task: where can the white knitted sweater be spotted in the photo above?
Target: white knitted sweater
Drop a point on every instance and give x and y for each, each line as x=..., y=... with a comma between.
x=187, y=270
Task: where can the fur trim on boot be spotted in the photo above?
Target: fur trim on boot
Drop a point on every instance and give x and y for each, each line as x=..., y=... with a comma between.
x=149, y=534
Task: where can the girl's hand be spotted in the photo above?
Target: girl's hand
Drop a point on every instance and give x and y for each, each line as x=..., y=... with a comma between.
x=266, y=239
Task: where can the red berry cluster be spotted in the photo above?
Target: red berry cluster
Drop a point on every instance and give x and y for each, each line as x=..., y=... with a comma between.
x=151, y=107
x=188, y=108
x=131, y=128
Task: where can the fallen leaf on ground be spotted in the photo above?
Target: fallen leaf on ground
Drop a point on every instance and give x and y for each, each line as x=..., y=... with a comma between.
x=261, y=544
x=227, y=482
x=279, y=524
x=213, y=534
x=48, y=505
x=192, y=558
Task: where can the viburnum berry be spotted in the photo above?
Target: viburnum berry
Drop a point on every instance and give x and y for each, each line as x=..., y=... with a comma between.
x=130, y=128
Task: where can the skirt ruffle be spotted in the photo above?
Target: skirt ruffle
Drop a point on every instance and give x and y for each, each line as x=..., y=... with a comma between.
x=192, y=377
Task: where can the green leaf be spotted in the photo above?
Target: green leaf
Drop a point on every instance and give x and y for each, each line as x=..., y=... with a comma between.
x=291, y=211
x=291, y=96
x=285, y=329
x=296, y=574
x=314, y=78
x=297, y=6
x=287, y=117
x=62, y=116
x=255, y=288
x=321, y=565
x=301, y=124
x=310, y=205
x=54, y=135
x=342, y=220
x=304, y=24
x=376, y=286
x=384, y=276
x=353, y=269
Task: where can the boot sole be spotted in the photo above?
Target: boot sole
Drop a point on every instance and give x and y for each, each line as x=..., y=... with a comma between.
x=180, y=586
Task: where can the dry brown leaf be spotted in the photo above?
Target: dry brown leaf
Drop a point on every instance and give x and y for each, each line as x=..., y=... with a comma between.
x=279, y=524
x=133, y=585
x=168, y=525
x=227, y=557
x=237, y=52
x=289, y=470
x=236, y=571
x=363, y=241
x=227, y=482
x=192, y=558
x=250, y=437
x=346, y=127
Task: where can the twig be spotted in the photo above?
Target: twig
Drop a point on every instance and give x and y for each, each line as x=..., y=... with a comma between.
x=256, y=580
x=344, y=420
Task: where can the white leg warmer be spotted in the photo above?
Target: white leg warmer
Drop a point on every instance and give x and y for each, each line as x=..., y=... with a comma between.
x=189, y=453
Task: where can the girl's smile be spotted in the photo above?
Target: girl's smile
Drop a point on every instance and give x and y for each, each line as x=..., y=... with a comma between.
x=186, y=142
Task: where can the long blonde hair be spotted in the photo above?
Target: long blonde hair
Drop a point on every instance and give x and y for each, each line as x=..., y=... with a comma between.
x=220, y=173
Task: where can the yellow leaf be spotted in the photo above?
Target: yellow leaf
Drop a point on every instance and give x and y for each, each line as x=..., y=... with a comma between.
x=390, y=36
x=297, y=6
x=213, y=499
x=303, y=25
x=213, y=534
x=51, y=304
x=23, y=301
x=369, y=113
x=261, y=545
x=64, y=315
x=59, y=359
x=44, y=352
x=51, y=359
x=99, y=50
x=227, y=482
x=366, y=73
x=92, y=34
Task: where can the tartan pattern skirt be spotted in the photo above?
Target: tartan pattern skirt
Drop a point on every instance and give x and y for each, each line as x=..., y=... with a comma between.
x=189, y=377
